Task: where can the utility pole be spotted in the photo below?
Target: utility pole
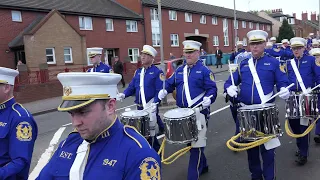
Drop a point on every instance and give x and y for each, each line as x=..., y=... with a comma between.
x=234, y=24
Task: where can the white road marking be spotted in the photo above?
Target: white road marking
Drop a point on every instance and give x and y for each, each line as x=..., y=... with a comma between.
x=46, y=155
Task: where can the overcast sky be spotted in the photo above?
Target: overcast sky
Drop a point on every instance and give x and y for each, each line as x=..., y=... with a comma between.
x=288, y=6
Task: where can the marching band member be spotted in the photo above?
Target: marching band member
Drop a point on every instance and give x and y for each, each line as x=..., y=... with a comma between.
x=240, y=50
x=309, y=41
x=18, y=131
x=286, y=47
x=95, y=58
x=100, y=147
x=145, y=85
x=274, y=44
x=304, y=72
x=315, y=43
x=316, y=53
x=256, y=78
x=193, y=82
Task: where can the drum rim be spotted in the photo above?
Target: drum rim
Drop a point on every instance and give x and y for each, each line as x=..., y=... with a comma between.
x=142, y=113
x=189, y=109
x=260, y=106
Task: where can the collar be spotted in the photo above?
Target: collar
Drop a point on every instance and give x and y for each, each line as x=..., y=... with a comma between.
x=98, y=64
x=7, y=103
x=148, y=67
x=191, y=66
x=295, y=58
x=255, y=59
x=109, y=131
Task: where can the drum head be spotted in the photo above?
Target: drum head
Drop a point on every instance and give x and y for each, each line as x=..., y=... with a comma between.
x=178, y=113
x=134, y=113
x=257, y=106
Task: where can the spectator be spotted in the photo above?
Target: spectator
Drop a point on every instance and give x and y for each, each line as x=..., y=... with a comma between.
x=172, y=56
x=118, y=68
x=219, y=57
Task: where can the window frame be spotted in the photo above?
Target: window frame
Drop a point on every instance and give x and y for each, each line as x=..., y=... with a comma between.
x=53, y=55
x=130, y=23
x=85, y=18
x=19, y=14
x=132, y=56
x=71, y=58
x=170, y=15
x=111, y=20
x=172, y=40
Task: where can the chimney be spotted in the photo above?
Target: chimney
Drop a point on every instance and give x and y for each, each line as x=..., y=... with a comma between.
x=313, y=17
x=294, y=15
x=304, y=16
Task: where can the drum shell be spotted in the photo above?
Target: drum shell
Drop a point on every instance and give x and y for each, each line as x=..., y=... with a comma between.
x=181, y=130
x=141, y=123
x=302, y=106
x=258, y=122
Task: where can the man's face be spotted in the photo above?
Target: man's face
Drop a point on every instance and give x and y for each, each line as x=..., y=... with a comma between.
x=257, y=48
x=273, y=42
x=116, y=59
x=191, y=57
x=298, y=51
x=91, y=120
x=240, y=46
x=285, y=44
x=4, y=90
x=146, y=59
x=96, y=59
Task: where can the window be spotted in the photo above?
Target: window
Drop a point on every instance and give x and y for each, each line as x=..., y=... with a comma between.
x=109, y=24
x=85, y=23
x=262, y=26
x=133, y=54
x=188, y=17
x=214, y=20
x=244, y=41
x=250, y=25
x=268, y=28
x=215, y=41
x=282, y=18
x=203, y=19
x=154, y=14
x=155, y=39
x=235, y=24
x=225, y=32
x=257, y=26
x=51, y=59
x=244, y=24
x=16, y=16
x=173, y=15
x=67, y=52
x=174, y=40
x=132, y=26
x=291, y=21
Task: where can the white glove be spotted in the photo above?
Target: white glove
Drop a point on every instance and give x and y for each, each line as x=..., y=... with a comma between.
x=153, y=107
x=308, y=91
x=120, y=96
x=206, y=102
x=284, y=93
x=232, y=91
x=162, y=94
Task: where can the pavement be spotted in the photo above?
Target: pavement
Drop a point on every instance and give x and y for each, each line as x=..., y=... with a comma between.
x=224, y=164
x=50, y=105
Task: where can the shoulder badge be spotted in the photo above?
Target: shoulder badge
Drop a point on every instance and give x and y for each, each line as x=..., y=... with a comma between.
x=282, y=69
x=211, y=76
x=162, y=77
x=318, y=62
x=24, y=131
x=150, y=169
x=276, y=50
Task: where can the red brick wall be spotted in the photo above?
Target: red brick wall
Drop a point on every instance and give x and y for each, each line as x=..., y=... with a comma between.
x=9, y=30
x=134, y=5
x=180, y=27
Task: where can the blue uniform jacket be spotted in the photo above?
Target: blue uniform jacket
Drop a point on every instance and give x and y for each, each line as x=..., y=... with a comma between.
x=200, y=79
x=269, y=72
x=274, y=52
x=101, y=67
x=309, y=71
x=234, y=55
x=153, y=83
x=287, y=55
x=118, y=153
x=18, y=133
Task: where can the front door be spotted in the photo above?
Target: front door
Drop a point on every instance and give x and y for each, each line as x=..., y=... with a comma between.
x=110, y=53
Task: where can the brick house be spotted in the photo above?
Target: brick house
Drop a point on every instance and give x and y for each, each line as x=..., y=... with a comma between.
x=184, y=19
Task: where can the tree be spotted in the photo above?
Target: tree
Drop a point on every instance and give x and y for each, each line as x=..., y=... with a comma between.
x=285, y=31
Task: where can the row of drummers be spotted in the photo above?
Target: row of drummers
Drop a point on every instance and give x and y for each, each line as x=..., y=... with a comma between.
x=250, y=91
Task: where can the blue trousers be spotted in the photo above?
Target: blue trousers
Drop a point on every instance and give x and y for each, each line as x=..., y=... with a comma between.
x=197, y=163
x=234, y=113
x=317, y=132
x=268, y=169
x=303, y=142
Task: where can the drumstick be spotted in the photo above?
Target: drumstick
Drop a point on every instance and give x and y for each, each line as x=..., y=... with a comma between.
x=277, y=94
x=200, y=103
x=315, y=87
x=231, y=75
x=147, y=108
x=126, y=107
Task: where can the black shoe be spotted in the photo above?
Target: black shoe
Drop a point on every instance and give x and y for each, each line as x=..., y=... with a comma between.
x=317, y=139
x=302, y=160
x=297, y=153
x=204, y=170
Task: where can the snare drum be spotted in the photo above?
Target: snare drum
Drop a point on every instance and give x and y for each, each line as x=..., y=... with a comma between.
x=302, y=106
x=180, y=126
x=258, y=121
x=138, y=119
